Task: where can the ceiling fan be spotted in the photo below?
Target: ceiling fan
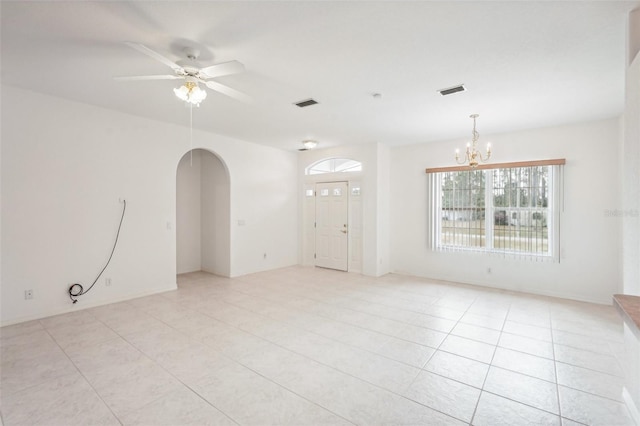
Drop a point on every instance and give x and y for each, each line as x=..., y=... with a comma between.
x=190, y=71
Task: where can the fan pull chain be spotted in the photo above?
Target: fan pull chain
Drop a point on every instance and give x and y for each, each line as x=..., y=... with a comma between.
x=191, y=131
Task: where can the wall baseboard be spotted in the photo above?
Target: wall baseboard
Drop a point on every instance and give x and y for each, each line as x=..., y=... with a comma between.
x=80, y=307
x=523, y=290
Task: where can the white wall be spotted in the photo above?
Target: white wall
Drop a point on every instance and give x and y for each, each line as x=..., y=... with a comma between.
x=630, y=162
x=633, y=35
x=590, y=241
x=384, y=210
x=188, y=214
x=64, y=166
x=264, y=197
x=630, y=219
x=215, y=219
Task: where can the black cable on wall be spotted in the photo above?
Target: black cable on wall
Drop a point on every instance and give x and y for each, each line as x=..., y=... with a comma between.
x=76, y=289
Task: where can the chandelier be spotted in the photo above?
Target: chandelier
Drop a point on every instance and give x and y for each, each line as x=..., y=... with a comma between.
x=190, y=92
x=472, y=155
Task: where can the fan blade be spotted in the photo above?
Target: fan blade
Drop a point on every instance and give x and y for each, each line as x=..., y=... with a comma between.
x=155, y=55
x=147, y=77
x=226, y=90
x=226, y=68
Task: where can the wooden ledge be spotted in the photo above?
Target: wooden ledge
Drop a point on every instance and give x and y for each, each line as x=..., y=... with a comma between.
x=629, y=308
x=554, y=162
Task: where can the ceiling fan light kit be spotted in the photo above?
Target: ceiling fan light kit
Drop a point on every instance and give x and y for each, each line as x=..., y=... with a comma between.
x=190, y=93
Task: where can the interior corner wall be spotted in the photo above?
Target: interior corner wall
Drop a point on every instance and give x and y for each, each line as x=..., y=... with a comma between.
x=633, y=36
x=65, y=165
x=188, y=214
x=215, y=219
x=264, y=207
x=630, y=214
x=588, y=270
x=383, y=220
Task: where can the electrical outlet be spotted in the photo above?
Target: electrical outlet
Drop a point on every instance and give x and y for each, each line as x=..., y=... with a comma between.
x=264, y=256
x=107, y=282
x=28, y=294
x=488, y=270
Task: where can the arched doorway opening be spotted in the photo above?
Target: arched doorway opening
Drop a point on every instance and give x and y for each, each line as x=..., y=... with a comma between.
x=203, y=241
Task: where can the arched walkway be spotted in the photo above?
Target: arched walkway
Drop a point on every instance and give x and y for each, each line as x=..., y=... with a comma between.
x=202, y=214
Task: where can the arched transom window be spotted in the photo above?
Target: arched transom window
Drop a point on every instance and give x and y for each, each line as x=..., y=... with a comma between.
x=334, y=165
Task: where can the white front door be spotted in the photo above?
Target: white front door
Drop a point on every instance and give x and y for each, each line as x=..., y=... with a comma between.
x=332, y=242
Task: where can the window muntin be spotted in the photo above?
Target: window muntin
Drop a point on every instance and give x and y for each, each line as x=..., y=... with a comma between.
x=334, y=165
x=505, y=210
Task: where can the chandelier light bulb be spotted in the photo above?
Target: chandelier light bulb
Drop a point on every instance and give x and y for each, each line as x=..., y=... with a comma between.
x=182, y=93
x=197, y=95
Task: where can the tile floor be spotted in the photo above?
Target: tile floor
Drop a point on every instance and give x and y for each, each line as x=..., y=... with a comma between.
x=307, y=346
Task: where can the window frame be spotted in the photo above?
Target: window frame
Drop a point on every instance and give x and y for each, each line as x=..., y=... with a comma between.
x=435, y=210
x=308, y=171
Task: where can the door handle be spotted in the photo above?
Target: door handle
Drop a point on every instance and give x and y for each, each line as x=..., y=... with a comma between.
x=344, y=231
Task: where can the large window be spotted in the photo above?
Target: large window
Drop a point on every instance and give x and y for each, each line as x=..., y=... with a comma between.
x=509, y=210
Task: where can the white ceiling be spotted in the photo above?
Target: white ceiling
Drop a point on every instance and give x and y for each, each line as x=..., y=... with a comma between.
x=525, y=64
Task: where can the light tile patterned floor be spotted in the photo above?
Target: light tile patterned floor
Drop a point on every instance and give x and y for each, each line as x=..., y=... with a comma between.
x=307, y=346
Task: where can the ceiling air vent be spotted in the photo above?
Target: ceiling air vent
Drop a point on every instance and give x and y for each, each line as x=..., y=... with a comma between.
x=306, y=103
x=452, y=90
